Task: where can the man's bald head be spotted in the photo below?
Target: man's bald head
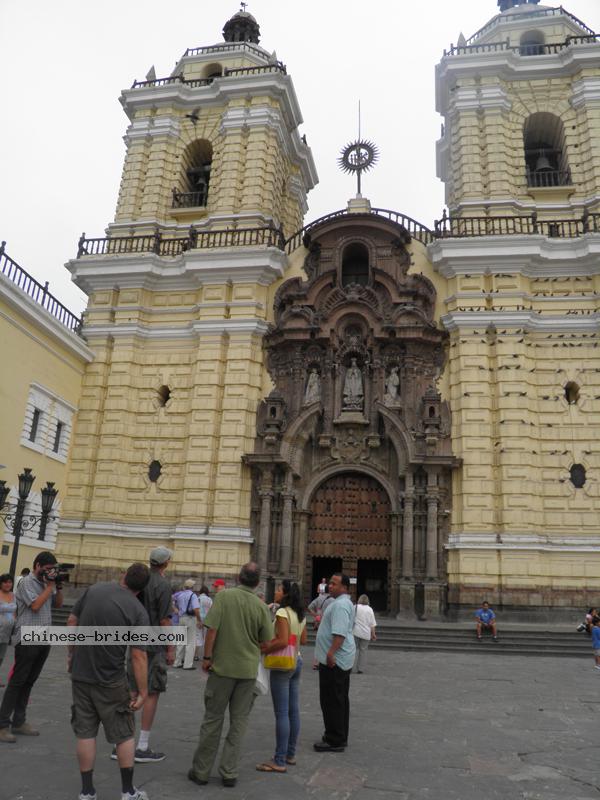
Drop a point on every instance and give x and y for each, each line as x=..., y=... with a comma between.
x=250, y=575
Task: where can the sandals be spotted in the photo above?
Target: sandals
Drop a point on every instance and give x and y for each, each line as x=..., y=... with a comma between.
x=270, y=767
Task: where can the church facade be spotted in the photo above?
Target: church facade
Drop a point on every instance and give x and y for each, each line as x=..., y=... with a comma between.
x=416, y=405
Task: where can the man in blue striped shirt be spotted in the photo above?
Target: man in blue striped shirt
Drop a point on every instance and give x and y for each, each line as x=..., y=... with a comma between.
x=335, y=651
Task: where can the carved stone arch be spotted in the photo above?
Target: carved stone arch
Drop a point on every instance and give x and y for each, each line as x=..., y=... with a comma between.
x=329, y=472
x=399, y=435
x=297, y=435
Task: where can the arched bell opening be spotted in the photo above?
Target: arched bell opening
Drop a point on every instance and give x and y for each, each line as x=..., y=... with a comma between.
x=196, y=165
x=545, y=151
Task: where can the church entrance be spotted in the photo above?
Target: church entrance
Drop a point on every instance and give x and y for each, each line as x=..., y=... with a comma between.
x=350, y=525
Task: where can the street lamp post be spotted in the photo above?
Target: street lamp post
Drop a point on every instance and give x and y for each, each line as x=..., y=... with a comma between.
x=15, y=514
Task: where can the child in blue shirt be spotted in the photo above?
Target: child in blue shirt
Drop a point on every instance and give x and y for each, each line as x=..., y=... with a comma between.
x=486, y=619
x=596, y=641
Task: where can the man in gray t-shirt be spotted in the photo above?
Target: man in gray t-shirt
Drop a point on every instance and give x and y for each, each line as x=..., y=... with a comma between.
x=99, y=679
x=157, y=600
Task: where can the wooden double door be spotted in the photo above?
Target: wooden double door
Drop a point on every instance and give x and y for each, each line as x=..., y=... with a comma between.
x=350, y=530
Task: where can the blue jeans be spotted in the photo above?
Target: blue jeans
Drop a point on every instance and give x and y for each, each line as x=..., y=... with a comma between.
x=285, y=691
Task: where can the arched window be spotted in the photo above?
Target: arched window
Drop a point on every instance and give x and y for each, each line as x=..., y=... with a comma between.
x=532, y=44
x=195, y=176
x=545, y=155
x=213, y=71
x=355, y=264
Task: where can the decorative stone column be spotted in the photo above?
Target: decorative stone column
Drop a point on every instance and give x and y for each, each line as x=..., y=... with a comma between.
x=285, y=557
x=266, y=501
x=432, y=526
x=394, y=571
x=303, y=520
x=408, y=543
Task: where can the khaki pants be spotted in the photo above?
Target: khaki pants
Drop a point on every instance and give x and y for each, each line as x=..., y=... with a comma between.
x=188, y=649
x=222, y=693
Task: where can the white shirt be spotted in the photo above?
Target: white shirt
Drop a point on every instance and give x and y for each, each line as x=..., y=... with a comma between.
x=363, y=622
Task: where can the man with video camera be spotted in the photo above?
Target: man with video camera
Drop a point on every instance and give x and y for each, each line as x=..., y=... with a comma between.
x=35, y=595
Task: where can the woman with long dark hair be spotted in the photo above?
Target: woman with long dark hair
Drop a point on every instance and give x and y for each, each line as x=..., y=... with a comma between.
x=290, y=627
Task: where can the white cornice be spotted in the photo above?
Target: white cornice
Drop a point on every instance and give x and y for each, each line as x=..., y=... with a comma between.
x=218, y=93
x=509, y=65
x=549, y=542
x=187, y=271
x=175, y=332
x=43, y=320
x=531, y=255
x=529, y=321
x=132, y=530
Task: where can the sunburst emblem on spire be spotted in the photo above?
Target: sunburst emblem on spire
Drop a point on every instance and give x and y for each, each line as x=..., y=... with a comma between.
x=359, y=156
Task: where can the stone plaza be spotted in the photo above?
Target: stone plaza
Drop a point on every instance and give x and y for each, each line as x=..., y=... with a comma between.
x=424, y=726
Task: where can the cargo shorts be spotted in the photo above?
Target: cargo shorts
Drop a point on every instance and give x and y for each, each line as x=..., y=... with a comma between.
x=157, y=673
x=109, y=705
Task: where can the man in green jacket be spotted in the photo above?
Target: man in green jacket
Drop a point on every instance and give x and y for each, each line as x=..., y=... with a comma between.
x=235, y=626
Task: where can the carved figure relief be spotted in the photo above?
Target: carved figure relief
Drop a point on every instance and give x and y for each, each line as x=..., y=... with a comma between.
x=391, y=388
x=353, y=388
x=313, y=388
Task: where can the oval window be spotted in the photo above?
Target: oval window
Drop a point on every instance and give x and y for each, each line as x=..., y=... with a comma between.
x=154, y=471
x=578, y=475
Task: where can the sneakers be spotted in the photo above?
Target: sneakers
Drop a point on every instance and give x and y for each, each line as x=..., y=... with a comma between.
x=138, y=794
x=25, y=730
x=6, y=736
x=596, y=666
x=87, y=796
x=147, y=757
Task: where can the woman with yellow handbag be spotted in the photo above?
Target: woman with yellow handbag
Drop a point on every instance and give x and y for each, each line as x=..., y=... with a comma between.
x=283, y=659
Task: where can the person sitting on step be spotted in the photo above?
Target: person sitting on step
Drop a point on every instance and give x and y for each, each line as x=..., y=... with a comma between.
x=486, y=620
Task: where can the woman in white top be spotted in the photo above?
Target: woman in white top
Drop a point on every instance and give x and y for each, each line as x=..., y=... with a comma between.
x=364, y=630
x=285, y=685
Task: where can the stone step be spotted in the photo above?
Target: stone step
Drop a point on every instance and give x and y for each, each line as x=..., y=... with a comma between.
x=450, y=639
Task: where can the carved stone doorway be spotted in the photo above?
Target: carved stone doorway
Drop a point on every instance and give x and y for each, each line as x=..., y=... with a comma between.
x=350, y=519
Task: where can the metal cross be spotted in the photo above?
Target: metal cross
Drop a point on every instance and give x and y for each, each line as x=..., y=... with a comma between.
x=243, y=6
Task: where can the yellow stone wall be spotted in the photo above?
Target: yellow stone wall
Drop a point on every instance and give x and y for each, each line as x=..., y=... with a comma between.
x=36, y=349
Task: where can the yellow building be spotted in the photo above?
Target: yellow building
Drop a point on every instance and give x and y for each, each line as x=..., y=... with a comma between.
x=44, y=359
x=416, y=405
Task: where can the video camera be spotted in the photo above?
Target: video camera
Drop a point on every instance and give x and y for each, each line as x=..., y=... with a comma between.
x=59, y=573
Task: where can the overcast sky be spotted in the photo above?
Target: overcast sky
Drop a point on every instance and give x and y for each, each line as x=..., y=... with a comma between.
x=63, y=64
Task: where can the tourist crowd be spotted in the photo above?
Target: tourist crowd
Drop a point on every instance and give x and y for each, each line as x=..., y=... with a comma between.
x=246, y=646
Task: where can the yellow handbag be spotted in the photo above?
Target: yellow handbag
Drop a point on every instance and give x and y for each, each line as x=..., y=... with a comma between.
x=284, y=658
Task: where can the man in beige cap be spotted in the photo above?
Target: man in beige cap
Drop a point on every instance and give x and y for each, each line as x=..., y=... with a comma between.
x=156, y=598
x=188, y=609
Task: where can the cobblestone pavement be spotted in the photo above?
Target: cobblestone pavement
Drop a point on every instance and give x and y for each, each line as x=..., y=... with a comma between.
x=423, y=726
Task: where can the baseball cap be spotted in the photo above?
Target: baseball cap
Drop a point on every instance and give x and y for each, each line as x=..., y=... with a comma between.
x=219, y=582
x=189, y=584
x=160, y=555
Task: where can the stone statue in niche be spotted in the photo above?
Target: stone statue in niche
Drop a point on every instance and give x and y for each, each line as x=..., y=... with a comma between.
x=353, y=388
x=312, y=393
x=392, y=385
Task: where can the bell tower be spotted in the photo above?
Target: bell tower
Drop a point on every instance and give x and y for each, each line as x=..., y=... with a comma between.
x=521, y=106
x=181, y=291
x=520, y=160
x=215, y=143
